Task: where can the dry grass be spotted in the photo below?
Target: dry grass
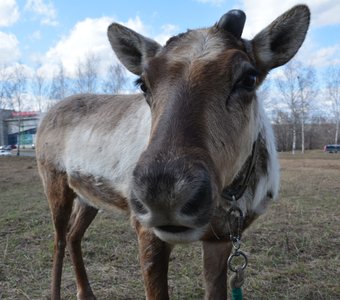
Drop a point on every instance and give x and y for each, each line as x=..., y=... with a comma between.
x=293, y=249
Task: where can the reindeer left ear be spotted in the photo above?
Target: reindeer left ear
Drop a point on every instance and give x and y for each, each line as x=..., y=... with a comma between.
x=278, y=43
x=132, y=49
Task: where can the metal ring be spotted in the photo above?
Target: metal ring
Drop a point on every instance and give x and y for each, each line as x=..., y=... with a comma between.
x=236, y=254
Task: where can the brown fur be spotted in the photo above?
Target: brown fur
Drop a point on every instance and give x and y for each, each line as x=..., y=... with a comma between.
x=154, y=258
x=60, y=198
x=215, y=268
x=98, y=190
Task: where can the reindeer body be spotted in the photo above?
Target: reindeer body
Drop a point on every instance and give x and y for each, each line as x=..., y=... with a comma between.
x=84, y=124
x=167, y=156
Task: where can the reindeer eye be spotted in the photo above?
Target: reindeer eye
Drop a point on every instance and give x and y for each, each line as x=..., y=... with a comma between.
x=141, y=84
x=248, y=81
x=143, y=87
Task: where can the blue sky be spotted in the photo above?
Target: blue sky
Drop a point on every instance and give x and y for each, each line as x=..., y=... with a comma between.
x=45, y=32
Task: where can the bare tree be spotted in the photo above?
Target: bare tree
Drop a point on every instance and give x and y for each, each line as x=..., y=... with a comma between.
x=17, y=86
x=332, y=79
x=297, y=90
x=3, y=80
x=87, y=75
x=39, y=86
x=307, y=91
x=16, y=90
x=282, y=124
x=287, y=85
x=60, y=86
x=115, y=79
x=5, y=87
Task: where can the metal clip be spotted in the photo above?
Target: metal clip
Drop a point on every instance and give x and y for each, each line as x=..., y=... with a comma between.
x=235, y=222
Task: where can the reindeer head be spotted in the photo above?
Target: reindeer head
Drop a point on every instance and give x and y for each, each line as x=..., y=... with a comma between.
x=201, y=89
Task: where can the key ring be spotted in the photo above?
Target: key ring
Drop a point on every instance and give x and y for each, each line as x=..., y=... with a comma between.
x=237, y=254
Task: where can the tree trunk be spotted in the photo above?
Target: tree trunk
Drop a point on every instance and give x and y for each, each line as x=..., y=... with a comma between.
x=294, y=140
x=336, y=130
x=302, y=136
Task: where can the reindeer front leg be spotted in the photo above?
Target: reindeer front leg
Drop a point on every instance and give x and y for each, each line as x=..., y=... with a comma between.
x=154, y=259
x=215, y=257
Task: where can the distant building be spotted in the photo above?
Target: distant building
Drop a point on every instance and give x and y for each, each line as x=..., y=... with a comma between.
x=18, y=127
x=4, y=114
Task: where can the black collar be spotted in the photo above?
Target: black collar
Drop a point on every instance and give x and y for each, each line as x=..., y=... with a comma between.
x=236, y=189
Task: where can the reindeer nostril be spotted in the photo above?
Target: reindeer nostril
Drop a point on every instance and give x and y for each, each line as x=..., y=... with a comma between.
x=198, y=202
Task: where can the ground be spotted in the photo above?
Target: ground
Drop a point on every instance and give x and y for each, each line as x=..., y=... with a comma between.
x=293, y=249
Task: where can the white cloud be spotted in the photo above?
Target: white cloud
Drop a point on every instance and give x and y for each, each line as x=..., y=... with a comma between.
x=20, y=68
x=135, y=24
x=9, y=12
x=46, y=10
x=168, y=30
x=325, y=12
x=9, y=48
x=35, y=36
x=212, y=2
x=262, y=13
x=87, y=37
x=325, y=57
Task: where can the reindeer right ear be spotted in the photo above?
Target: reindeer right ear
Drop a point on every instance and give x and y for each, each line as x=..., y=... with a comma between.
x=132, y=49
x=278, y=43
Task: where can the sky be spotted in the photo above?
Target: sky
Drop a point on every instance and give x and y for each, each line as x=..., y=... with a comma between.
x=42, y=33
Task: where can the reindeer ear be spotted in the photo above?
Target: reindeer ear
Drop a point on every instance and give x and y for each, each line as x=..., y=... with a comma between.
x=278, y=43
x=131, y=48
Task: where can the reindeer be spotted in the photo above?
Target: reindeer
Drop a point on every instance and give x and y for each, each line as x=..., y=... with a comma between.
x=174, y=155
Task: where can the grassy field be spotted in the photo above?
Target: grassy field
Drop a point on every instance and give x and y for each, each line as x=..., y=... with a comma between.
x=293, y=249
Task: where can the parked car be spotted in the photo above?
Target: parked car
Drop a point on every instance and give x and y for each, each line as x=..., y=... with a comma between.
x=9, y=147
x=332, y=148
x=5, y=147
x=5, y=152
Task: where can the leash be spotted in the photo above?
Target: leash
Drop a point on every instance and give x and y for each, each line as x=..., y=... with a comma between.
x=235, y=222
x=238, y=261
